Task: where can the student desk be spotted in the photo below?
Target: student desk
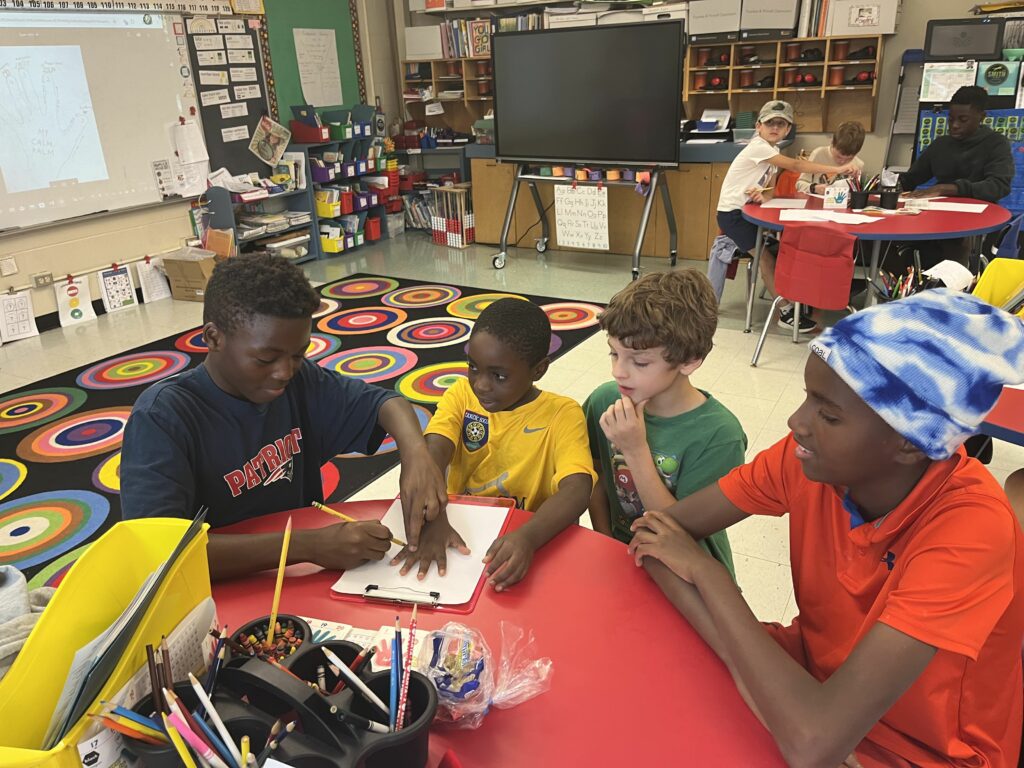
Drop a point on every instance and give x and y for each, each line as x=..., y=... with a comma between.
x=632, y=684
x=1006, y=421
x=927, y=225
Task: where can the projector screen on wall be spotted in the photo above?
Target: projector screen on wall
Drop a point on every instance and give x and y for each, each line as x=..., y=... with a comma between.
x=590, y=94
x=87, y=104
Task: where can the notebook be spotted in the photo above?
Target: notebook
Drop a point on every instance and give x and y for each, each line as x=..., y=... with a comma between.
x=478, y=520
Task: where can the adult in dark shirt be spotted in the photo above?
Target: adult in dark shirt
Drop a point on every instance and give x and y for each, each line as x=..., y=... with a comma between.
x=246, y=432
x=972, y=160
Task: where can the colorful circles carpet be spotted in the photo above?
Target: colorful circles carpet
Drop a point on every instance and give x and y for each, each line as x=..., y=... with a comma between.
x=60, y=438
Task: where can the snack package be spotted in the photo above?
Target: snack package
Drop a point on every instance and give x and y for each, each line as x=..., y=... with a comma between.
x=468, y=680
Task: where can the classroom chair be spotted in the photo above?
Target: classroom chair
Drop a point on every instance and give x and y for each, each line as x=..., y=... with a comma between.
x=814, y=267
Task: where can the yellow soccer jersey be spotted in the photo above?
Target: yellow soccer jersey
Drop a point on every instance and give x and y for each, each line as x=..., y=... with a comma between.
x=521, y=454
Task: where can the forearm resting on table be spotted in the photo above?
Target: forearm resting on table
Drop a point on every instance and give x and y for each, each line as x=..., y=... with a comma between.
x=241, y=554
x=814, y=723
x=559, y=511
x=600, y=510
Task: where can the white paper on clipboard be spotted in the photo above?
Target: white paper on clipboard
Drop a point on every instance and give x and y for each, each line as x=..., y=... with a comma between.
x=479, y=526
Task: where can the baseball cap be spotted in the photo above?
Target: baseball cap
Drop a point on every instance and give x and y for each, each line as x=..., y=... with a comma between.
x=776, y=109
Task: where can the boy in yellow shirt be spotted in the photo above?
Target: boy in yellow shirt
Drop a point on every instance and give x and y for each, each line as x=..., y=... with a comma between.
x=498, y=435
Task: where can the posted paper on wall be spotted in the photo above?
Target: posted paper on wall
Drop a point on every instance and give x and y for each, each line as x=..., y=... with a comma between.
x=118, y=289
x=943, y=78
x=74, y=301
x=581, y=217
x=18, y=319
x=316, y=52
x=153, y=282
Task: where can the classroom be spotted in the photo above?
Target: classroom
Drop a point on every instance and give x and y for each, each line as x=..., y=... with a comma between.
x=378, y=376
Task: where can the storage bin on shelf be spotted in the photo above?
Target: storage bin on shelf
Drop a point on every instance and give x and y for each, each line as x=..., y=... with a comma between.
x=372, y=228
x=332, y=244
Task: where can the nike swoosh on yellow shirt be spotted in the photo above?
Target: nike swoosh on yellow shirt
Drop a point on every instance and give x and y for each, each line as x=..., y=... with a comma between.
x=528, y=431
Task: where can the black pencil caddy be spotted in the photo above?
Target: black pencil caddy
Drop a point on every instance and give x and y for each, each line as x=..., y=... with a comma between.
x=258, y=628
x=858, y=200
x=889, y=198
x=322, y=739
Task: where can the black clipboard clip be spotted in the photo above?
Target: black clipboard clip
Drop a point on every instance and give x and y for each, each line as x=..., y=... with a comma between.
x=401, y=595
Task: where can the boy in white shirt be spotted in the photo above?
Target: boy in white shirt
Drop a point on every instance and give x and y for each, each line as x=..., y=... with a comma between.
x=753, y=172
x=846, y=143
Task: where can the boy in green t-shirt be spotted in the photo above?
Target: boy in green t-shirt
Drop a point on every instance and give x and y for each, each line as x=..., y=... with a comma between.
x=656, y=438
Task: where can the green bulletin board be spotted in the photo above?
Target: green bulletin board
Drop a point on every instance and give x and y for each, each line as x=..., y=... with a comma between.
x=283, y=16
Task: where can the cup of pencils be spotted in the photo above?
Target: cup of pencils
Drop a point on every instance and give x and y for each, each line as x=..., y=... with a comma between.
x=311, y=666
x=290, y=632
x=410, y=745
x=163, y=754
x=889, y=198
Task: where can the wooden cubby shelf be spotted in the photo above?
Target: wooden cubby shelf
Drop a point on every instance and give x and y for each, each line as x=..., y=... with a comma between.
x=818, y=108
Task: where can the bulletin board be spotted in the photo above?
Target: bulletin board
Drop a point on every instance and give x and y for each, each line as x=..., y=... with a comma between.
x=284, y=16
x=231, y=84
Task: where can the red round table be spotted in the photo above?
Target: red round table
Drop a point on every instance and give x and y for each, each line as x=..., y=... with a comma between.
x=633, y=684
x=927, y=225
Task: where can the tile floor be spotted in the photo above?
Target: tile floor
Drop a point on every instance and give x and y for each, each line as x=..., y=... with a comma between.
x=761, y=398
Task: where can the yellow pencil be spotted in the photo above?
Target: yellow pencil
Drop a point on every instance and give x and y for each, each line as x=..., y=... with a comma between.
x=271, y=629
x=179, y=744
x=347, y=519
x=245, y=750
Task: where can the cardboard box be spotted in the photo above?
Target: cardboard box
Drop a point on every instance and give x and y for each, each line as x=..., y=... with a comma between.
x=619, y=17
x=714, y=21
x=862, y=17
x=423, y=43
x=769, y=19
x=188, y=271
x=563, y=20
x=666, y=12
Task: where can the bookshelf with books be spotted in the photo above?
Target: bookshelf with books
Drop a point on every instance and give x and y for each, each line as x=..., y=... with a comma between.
x=828, y=80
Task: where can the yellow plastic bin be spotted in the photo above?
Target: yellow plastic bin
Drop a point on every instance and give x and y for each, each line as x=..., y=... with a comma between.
x=331, y=244
x=95, y=591
x=1001, y=280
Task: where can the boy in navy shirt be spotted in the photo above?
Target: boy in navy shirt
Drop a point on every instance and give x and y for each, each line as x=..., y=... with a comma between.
x=246, y=432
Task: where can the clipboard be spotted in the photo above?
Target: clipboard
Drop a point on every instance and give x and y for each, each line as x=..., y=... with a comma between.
x=479, y=520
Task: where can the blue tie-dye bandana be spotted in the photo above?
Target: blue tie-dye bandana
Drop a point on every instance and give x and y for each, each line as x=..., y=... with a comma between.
x=931, y=365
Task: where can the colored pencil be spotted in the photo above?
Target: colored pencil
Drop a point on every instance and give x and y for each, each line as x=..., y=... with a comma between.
x=135, y=716
x=404, y=698
x=165, y=653
x=128, y=722
x=179, y=744
x=272, y=628
x=215, y=741
x=274, y=730
x=275, y=743
x=201, y=747
x=245, y=750
x=218, y=724
x=154, y=681
x=353, y=680
x=395, y=675
x=347, y=519
x=361, y=722
x=130, y=731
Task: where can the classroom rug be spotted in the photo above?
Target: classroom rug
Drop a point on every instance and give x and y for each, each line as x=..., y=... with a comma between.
x=60, y=438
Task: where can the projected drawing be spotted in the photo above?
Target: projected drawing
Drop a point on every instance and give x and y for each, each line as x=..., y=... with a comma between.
x=48, y=133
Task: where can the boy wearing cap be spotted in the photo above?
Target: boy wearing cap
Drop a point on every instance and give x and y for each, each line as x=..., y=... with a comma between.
x=751, y=173
x=908, y=563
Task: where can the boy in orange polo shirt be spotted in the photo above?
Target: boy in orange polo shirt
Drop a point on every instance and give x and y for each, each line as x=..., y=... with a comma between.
x=908, y=563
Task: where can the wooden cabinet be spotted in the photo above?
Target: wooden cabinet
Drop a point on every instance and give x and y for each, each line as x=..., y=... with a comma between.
x=693, y=187
x=492, y=183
